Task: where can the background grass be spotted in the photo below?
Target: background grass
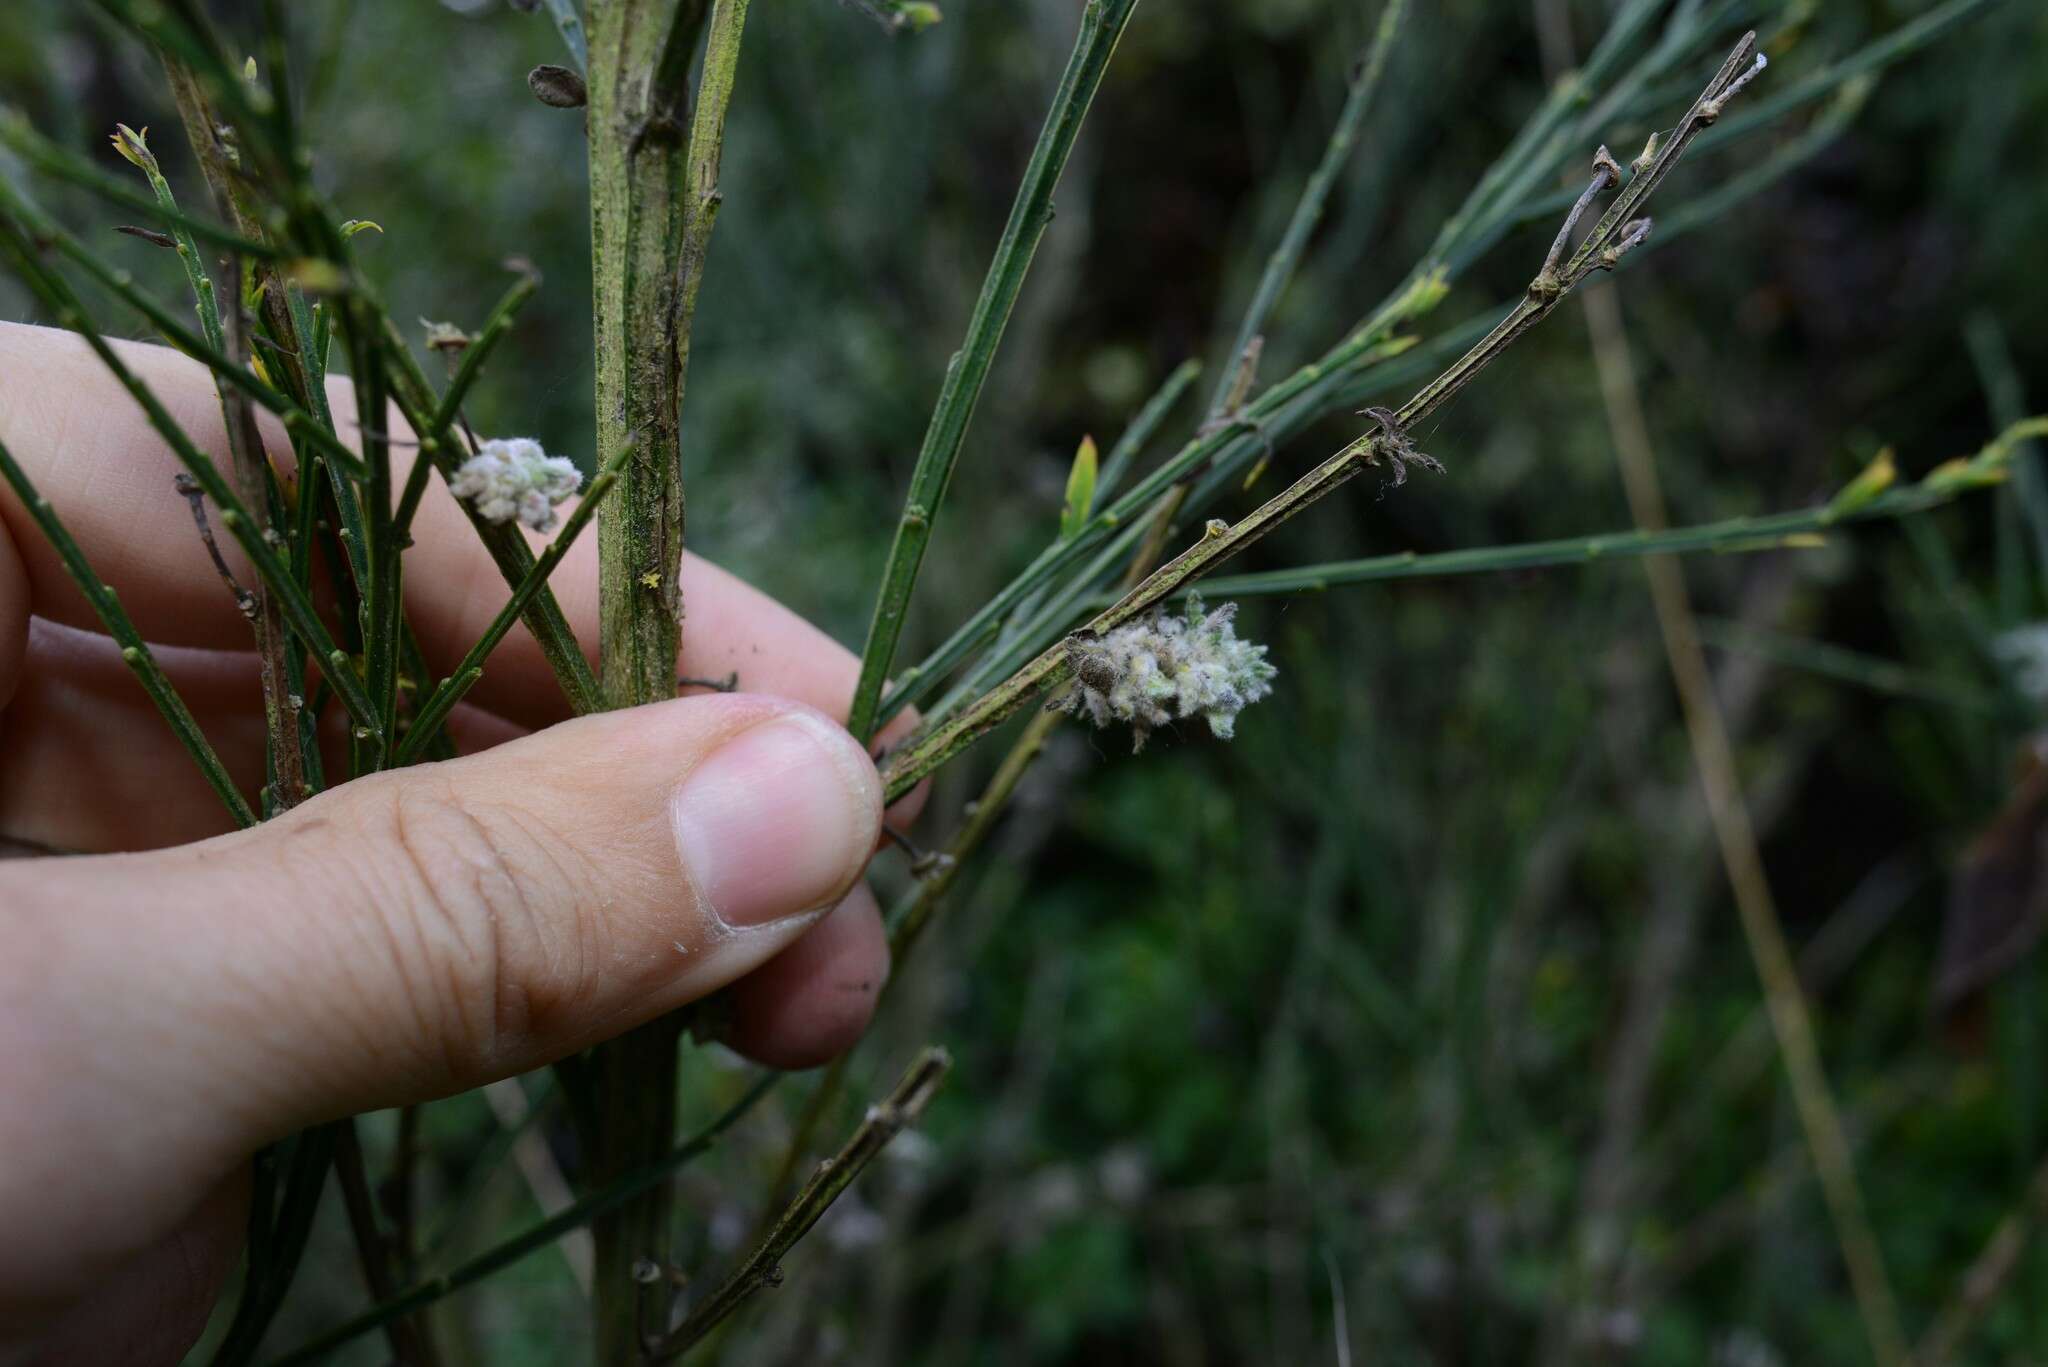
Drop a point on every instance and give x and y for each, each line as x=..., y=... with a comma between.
x=1336, y=1012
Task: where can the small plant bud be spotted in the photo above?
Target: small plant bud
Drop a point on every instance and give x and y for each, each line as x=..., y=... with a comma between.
x=1423, y=294
x=557, y=87
x=512, y=477
x=1162, y=667
x=1643, y=162
x=134, y=147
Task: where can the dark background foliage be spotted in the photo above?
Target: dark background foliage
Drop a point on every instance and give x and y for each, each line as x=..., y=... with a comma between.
x=1328, y=1021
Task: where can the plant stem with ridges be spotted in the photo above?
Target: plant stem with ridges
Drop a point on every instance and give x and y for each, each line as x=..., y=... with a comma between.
x=1102, y=24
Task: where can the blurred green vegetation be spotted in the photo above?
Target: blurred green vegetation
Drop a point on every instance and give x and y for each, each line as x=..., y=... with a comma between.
x=1391, y=1011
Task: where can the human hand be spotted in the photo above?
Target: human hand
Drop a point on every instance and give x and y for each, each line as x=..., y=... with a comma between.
x=181, y=995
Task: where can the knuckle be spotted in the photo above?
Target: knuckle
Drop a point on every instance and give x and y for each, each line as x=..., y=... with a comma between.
x=485, y=939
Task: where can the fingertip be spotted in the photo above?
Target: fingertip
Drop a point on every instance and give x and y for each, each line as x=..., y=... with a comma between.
x=812, y=1002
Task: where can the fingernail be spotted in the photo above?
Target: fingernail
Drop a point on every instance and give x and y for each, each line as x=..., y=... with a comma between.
x=777, y=821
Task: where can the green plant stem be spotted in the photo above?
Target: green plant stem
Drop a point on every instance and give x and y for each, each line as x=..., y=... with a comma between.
x=263, y=1292
x=287, y=759
x=701, y=196
x=40, y=154
x=496, y=324
x=1102, y=24
x=570, y=25
x=2005, y=394
x=227, y=332
x=639, y=148
x=135, y=652
x=434, y=711
x=1354, y=370
x=449, y=408
x=1774, y=531
x=907, y=926
x=452, y=1215
x=1989, y=1273
x=1828, y=661
x=1142, y=428
x=1308, y=210
x=384, y=602
x=234, y=516
x=885, y=1120
x=504, y=542
x=1150, y=535
x=1281, y=409
x=1611, y=236
x=406, y=1336
x=1742, y=858
x=204, y=306
x=653, y=202
x=587, y=1210
x=299, y=423
x=408, y=388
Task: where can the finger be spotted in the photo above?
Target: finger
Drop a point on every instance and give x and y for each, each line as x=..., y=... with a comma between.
x=811, y=1003
x=148, y=1307
x=92, y=453
x=88, y=763
x=402, y=937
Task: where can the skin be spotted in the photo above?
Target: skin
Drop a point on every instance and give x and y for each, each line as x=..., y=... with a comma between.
x=181, y=995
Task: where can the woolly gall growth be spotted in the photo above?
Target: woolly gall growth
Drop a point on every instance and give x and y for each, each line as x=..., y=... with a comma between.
x=513, y=477
x=1160, y=667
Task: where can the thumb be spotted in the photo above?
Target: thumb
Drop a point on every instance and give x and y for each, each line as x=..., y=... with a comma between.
x=414, y=933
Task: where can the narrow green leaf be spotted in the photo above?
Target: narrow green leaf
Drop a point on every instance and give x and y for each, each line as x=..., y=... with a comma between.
x=1080, y=491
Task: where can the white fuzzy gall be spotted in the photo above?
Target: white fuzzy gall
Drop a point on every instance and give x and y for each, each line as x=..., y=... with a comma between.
x=1160, y=667
x=512, y=477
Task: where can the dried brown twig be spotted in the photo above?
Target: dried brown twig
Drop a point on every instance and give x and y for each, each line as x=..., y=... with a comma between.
x=884, y=1121
x=1619, y=230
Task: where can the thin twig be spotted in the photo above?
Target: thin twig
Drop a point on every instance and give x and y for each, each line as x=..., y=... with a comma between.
x=1601, y=250
x=409, y=1346
x=570, y=25
x=188, y=488
x=400, y=1193
x=591, y=1207
x=884, y=1121
x=1988, y=1276
x=227, y=331
x=477, y=351
x=544, y=1179
x=1714, y=758
x=135, y=652
x=504, y=542
x=936, y=873
x=1361, y=364
x=1102, y=24
x=135, y=147
x=299, y=422
x=426, y=723
x=1797, y=530
x=20, y=137
x=234, y=515
x=263, y=1292
x=1308, y=210
x=1143, y=427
